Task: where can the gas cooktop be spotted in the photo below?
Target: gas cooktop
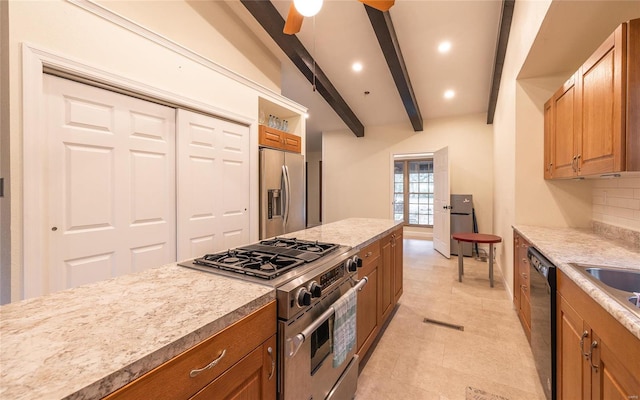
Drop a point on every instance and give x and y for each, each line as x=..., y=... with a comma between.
x=267, y=259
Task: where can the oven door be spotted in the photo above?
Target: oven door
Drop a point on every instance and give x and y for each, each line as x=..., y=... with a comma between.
x=309, y=374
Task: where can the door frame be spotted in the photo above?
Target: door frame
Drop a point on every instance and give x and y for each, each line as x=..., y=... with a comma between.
x=35, y=63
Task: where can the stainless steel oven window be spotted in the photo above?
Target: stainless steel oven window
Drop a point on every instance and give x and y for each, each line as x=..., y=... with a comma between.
x=321, y=344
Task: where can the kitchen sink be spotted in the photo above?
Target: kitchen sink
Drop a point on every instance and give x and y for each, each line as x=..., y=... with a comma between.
x=621, y=279
x=619, y=283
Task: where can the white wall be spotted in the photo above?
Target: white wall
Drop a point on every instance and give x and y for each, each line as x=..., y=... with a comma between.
x=358, y=171
x=72, y=32
x=539, y=202
x=5, y=202
x=527, y=17
x=522, y=196
x=617, y=202
x=313, y=188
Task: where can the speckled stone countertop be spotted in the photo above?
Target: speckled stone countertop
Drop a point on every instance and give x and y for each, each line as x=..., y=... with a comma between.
x=85, y=342
x=354, y=232
x=569, y=245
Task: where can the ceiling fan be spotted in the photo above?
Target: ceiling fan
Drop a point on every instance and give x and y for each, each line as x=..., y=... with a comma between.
x=295, y=17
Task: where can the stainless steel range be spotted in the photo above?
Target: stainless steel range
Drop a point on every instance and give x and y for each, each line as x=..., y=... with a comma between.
x=309, y=277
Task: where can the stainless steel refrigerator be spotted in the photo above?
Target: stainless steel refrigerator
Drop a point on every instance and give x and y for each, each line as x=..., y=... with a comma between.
x=282, y=192
x=461, y=221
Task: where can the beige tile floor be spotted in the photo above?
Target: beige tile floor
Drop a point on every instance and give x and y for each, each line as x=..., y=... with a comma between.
x=415, y=360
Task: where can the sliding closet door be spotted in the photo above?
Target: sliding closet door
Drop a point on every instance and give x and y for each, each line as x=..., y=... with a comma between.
x=111, y=186
x=213, y=184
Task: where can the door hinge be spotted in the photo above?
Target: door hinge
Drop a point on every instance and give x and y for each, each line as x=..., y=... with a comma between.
x=1, y=187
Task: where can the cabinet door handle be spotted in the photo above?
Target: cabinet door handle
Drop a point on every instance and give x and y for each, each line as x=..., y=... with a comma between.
x=585, y=334
x=524, y=276
x=369, y=254
x=594, y=344
x=273, y=362
x=578, y=162
x=573, y=163
x=523, y=287
x=550, y=167
x=212, y=364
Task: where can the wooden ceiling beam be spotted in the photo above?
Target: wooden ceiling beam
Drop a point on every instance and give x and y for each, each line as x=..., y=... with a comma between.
x=501, y=51
x=268, y=16
x=386, y=34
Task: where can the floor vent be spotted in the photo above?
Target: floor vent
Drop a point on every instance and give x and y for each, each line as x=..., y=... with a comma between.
x=445, y=324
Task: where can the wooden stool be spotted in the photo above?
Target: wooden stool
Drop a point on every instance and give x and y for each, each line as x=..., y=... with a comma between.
x=475, y=238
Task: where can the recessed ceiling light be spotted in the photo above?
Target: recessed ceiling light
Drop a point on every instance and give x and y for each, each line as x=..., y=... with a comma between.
x=449, y=94
x=444, y=47
x=357, y=66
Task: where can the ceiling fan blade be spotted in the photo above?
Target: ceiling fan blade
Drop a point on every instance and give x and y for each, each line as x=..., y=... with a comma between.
x=382, y=5
x=294, y=21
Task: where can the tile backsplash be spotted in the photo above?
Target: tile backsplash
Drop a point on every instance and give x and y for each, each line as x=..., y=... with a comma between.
x=617, y=202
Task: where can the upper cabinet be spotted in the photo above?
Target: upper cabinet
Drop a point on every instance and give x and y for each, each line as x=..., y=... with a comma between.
x=592, y=121
x=280, y=127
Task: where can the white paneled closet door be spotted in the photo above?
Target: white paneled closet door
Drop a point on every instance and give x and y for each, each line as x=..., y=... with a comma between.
x=111, y=183
x=213, y=184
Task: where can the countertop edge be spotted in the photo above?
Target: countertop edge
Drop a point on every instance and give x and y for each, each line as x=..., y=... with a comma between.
x=378, y=236
x=140, y=367
x=625, y=317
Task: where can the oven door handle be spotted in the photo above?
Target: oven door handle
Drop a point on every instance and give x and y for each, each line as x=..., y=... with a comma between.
x=294, y=343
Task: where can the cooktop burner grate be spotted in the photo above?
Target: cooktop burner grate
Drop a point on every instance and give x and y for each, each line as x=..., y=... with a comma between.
x=253, y=263
x=267, y=259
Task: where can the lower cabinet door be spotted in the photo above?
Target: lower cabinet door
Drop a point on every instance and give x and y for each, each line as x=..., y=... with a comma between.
x=611, y=378
x=253, y=377
x=367, y=314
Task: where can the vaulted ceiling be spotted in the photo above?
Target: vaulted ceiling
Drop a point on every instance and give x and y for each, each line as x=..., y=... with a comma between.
x=343, y=33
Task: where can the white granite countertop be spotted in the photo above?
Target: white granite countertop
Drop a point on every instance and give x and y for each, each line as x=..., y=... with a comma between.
x=85, y=342
x=569, y=245
x=354, y=232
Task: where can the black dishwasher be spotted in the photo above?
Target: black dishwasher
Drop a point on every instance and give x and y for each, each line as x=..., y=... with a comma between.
x=542, y=294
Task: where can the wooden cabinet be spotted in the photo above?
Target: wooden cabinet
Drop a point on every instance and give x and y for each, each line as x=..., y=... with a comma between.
x=597, y=357
x=391, y=271
x=369, y=301
x=591, y=125
x=386, y=285
x=277, y=139
x=398, y=266
x=521, y=282
x=254, y=377
x=229, y=362
x=561, y=131
x=382, y=264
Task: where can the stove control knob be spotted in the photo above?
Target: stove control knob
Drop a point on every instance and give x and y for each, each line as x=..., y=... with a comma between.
x=358, y=261
x=303, y=297
x=351, y=267
x=315, y=289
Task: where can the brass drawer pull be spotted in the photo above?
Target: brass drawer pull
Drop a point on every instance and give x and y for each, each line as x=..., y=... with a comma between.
x=594, y=344
x=585, y=334
x=212, y=364
x=273, y=362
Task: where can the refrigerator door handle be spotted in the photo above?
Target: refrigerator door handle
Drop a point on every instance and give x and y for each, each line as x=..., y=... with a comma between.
x=287, y=195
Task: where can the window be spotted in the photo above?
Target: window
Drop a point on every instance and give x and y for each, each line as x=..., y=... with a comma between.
x=413, y=191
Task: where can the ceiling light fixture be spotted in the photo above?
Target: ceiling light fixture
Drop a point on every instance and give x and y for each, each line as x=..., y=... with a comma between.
x=449, y=94
x=444, y=47
x=308, y=8
x=356, y=66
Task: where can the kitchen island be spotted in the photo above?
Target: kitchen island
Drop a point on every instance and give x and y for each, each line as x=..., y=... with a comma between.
x=86, y=342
